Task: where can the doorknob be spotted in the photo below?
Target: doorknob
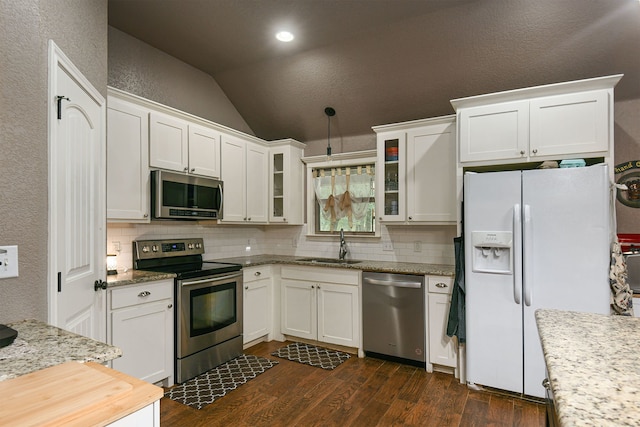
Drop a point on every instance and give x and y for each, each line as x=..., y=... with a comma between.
x=99, y=284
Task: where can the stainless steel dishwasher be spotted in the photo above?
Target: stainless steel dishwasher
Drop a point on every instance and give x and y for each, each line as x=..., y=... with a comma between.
x=393, y=317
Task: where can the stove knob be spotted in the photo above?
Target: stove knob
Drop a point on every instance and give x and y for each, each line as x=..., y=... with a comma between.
x=190, y=246
x=145, y=249
x=154, y=248
x=198, y=245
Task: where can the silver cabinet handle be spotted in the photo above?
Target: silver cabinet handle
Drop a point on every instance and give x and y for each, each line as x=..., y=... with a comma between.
x=145, y=215
x=246, y=288
x=441, y=285
x=257, y=273
x=522, y=152
x=193, y=169
x=535, y=151
x=410, y=218
x=144, y=294
x=186, y=169
x=170, y=306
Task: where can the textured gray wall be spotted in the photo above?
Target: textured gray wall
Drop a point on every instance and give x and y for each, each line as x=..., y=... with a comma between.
x=79, y=28
x=138, y=68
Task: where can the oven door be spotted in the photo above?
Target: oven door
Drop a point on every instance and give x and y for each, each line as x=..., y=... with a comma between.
x=209, y=312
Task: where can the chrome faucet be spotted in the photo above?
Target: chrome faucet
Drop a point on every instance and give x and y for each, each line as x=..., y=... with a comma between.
x=343, y=245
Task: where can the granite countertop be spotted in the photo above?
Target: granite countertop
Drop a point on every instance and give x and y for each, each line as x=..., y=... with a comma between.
x=131, y=277
x=593, y=362
x=364, y=265
x=40, y=346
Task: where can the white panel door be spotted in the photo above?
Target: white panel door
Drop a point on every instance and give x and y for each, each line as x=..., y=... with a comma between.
x=299, y=309
x=431, y=174
x=127, y=162
x=494, y=132
x=257, y=183
x=233, y=176
x=573, y=123
x=141, y=332
x=77, y=201
x=338, y=314
x=168, y=141
x=494, y=316
x=204, y=151
x=566, y=252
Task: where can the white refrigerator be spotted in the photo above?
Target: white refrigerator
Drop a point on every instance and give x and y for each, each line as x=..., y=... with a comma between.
x=533, y=239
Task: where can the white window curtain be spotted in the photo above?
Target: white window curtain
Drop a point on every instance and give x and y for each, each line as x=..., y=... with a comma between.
x=344, y=192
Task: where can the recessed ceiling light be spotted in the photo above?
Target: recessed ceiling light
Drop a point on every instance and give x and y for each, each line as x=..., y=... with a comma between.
x=284, y=36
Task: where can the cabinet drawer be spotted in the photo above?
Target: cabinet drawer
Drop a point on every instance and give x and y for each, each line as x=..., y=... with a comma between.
x=253, y=274
x=440, y=284
x=140, y=294
x=322, y=274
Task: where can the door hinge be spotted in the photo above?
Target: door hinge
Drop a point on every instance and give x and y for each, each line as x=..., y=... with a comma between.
x=60, y=98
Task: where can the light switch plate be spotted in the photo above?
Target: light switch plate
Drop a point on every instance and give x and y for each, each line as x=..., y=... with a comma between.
x=387, y=246
x=8, y=261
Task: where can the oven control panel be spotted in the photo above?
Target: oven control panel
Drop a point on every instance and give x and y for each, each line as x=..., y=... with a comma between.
x=149, y=249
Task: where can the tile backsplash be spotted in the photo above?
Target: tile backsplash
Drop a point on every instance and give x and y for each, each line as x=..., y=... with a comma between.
x=426, y=244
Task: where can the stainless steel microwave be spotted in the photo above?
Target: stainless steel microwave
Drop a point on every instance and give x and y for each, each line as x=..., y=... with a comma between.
x=181, y=196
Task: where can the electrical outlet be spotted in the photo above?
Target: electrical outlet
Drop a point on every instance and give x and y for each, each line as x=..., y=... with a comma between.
x=8, y=261
x=417, y=246
x=116, y=246
x=387, y=246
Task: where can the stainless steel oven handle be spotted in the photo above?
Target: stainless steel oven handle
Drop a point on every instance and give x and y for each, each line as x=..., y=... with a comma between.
x=210, y=279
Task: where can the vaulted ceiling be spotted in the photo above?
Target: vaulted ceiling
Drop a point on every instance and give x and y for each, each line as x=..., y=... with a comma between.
x=384, y=61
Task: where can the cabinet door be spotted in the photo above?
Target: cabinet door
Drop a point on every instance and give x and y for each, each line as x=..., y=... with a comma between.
x=299, y=308
x=390, y=198
x=338, y=315
x=168, y=143
x=257, y=309
x=204, y=151
x=494, y=132
x=257, y=190
x=127, y=162
x=567, y=124
x=234, y=178
x=286, y=187
x=441, y=347
x=431, y=173
x=144, y=333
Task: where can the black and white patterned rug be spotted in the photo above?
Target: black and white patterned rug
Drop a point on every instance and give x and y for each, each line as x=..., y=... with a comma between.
x=202, y=390
x=312, y=355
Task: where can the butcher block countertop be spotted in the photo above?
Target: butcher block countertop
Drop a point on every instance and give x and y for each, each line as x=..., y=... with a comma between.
x=593, y=363
x=73, y=394
x=39, y=345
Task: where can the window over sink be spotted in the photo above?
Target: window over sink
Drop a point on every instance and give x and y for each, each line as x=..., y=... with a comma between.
x=341, y=194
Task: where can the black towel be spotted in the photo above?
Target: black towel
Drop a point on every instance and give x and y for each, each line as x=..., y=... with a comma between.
x=456, y=322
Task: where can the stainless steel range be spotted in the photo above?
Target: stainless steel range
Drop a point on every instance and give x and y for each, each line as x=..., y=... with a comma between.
x=208, y=303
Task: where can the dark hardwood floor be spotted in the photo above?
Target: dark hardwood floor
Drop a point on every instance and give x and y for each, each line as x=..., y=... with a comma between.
x=360, y=392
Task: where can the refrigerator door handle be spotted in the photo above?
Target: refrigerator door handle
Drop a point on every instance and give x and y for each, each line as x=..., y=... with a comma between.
x=515, y=253
x=527, y=254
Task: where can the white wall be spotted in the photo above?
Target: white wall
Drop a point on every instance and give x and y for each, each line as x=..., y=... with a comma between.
x=224, y=241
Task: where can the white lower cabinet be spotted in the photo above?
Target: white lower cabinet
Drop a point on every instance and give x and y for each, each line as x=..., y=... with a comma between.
x=148, y=416
x=257, y=303
x=141, y=324
x=442, y=348
x=321, y=304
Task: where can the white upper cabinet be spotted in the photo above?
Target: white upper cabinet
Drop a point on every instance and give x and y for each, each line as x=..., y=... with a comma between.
x=177, y=145
x=553, y=122
x=244, y=171
x=127, y=161
x=168, y=147
x=286, y=182
x=416, y=176
x=204, y=151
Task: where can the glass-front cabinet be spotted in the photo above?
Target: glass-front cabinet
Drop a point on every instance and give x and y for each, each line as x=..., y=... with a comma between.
x=286, y=186
x=390, y=176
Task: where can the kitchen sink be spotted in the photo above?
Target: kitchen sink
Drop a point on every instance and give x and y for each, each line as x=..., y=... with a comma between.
x=330, y=261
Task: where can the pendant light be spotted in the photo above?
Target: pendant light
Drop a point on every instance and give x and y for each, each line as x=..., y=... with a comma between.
x=330, y=112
